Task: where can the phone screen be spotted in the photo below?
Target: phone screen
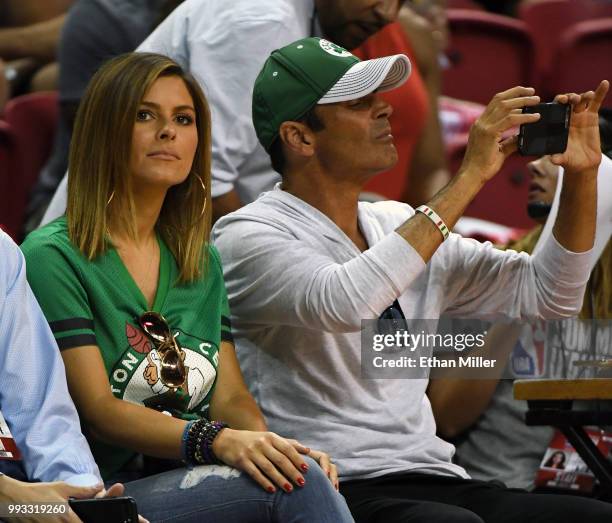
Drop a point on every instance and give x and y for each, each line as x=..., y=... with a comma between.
x=549, y=134
x=105, y=510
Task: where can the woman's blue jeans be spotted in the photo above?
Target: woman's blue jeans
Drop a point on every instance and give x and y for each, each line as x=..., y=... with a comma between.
x=222, y=494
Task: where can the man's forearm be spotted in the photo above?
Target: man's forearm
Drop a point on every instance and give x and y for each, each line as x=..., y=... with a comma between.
x=450, y=204
x=37, y=41
x=576, y=222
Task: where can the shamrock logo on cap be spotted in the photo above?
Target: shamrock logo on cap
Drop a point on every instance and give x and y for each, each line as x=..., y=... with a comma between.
x=333, y=49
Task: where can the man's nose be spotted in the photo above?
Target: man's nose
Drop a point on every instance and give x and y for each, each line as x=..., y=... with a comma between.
x=382, y=108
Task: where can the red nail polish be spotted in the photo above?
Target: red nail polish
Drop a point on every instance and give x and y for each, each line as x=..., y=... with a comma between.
x=288, y=487
x=300, y=482
x=304, y=467
x=271, y=490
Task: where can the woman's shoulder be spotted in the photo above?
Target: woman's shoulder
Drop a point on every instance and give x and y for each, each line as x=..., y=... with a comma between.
x=54, y=233
x=49, y=242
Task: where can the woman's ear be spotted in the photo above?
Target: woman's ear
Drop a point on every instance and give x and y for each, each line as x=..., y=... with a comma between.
x=298, y=138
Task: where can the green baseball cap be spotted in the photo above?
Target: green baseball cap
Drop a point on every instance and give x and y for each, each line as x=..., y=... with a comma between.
x=315, y=71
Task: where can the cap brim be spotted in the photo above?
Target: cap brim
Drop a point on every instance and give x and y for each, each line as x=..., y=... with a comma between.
x=382, y=74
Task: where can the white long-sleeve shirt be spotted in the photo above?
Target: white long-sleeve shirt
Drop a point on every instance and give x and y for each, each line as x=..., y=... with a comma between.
x=299, y=288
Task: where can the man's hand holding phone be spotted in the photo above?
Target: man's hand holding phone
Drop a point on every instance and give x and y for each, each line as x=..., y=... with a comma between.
x=22, y=493
x=17, y=492
x=568, y=130
x=583, y=150
x=488, y=144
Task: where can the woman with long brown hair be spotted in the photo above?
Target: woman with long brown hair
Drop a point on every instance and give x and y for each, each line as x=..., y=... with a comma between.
x=134, y=294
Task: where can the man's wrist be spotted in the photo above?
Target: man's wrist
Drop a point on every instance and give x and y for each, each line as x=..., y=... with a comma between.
x=579, y=177
x=472, y=176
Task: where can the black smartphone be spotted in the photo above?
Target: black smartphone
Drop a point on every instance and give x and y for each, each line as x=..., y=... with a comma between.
x=105, y=510
x=549, y=134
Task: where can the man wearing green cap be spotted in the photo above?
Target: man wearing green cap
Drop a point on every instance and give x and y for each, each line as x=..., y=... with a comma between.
x=307, y=262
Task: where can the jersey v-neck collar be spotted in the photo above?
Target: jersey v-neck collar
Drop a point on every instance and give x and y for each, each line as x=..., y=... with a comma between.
x=163, y=283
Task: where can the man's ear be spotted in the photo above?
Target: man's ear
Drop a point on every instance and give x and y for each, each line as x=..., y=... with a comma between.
x=298, y=138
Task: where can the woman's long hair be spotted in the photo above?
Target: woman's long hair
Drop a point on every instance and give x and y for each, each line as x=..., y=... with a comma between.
x=100, y=184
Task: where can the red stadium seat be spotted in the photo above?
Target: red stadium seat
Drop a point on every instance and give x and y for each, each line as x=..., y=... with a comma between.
x=583, y=59
x=29, y=130
x=548, y=20
x=599, y=8
x=504, y=198
x=489, y=54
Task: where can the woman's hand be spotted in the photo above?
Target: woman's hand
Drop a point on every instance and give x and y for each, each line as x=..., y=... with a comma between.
x=269, y=459
x=325, y=462
x=583, y=151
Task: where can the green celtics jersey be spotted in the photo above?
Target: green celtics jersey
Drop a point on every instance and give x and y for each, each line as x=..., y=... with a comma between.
x=98, y=303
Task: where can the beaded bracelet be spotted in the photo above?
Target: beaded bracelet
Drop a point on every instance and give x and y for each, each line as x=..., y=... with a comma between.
x=433, y=216
x=190, y=443
x=199, y=438
x=184, y=438
x=211, y=431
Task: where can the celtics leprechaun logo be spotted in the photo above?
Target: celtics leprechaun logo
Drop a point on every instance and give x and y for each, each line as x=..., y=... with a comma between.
x=136, y=377
x=334, y=49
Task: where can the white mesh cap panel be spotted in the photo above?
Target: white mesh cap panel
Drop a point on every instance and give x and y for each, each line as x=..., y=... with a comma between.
x=366, y=77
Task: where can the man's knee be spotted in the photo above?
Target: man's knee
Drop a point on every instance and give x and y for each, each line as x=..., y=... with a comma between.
x=440, y=513
x=393, y=510
x=574, y=508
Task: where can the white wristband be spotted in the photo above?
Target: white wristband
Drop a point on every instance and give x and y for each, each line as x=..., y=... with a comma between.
x=433, y=216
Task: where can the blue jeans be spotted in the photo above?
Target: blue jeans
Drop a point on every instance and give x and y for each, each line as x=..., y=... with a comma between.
x=223, y=494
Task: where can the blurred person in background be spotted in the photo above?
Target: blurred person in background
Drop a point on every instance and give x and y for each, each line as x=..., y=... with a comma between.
x=421, y=169
x=94, y=31
x=29, y=36
x=4, y=86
